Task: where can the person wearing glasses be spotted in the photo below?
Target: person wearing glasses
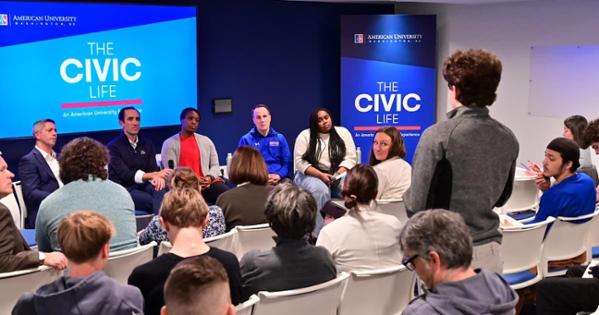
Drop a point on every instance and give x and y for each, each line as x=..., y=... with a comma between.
x=363, y=239
x=438, y=246
x=466, y=164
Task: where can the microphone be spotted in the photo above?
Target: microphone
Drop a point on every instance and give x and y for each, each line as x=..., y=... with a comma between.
x=171, y=164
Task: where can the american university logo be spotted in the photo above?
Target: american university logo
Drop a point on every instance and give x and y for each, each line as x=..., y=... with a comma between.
x=3, y=19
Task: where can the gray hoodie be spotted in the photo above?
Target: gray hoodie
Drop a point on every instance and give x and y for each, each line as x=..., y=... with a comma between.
x=94, y=294
x=486, y=293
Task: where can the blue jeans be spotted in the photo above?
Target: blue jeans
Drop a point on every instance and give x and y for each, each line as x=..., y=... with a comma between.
x=321, y=193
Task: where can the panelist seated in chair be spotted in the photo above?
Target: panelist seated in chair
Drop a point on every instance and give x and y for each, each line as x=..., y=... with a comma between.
x=572, y=194
x=438, y=246
x=271, y=144
x=183, y=215
x=15, y=254
x=198, y=285
x=293, y=263
x=133, y=164
x=190, y=149
x=39, y=169
x=84, y=238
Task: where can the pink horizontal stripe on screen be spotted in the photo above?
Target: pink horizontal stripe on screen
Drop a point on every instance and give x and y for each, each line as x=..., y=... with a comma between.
x=373, y=128
x=101, y=103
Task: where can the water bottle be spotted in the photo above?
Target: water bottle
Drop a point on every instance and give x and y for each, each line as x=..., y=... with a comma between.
x=358, y=155
x=229, y=158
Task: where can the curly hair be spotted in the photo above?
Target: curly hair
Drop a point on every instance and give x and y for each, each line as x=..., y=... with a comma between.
x=476, y=73
x=591, y=133
x=83, y=158
x=184, y=177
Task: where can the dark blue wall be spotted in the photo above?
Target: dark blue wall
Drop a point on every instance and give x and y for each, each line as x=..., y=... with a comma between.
x=282, y=53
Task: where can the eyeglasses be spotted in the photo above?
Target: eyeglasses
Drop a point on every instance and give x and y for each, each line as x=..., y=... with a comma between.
x=408, y=262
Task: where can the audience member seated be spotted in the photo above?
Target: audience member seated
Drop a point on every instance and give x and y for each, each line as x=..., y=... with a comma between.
x=293, y=263
x=573, y=194
x=438, y=246
x=364, y=239
x=84, y=172
x=184, y=177
x=386, y=156
x=183, y=215
x=591, y=139
x=271, y=144
x=38, y=169
x=197, y=285
x=187, y=148
x=574, y=127
x=15, y=254
x=568, y=295
x=133, y=164
x=322, y=152
x=84, y=237
x=244, y=204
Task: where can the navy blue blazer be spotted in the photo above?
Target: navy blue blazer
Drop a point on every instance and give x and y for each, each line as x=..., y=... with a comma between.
x=37, y=181
x=125, y=161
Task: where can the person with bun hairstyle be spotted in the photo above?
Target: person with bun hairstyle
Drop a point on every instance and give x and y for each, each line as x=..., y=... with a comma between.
x=364, y=239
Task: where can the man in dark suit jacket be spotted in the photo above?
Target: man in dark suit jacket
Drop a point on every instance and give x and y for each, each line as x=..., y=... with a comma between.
x=133, y=164
x=39, y=169
x=14, y=251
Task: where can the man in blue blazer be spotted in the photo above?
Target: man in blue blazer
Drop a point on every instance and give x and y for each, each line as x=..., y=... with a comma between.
x=39, y=170
x=133, y=164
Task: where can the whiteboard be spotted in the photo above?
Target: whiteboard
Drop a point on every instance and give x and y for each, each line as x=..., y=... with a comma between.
x=564, y=81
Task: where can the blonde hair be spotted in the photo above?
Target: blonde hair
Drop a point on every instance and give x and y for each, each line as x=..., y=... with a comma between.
x=82, y=235
x=184, y=207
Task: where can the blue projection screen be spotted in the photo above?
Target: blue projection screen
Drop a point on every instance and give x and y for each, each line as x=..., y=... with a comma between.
x=80, y=63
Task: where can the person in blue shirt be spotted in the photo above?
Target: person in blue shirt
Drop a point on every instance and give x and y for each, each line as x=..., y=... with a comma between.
x=271, y=144
x=572, y=194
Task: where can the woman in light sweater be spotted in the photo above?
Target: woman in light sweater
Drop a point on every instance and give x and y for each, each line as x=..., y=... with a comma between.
x=386, y=156
x=364, y=239
x=321, y=154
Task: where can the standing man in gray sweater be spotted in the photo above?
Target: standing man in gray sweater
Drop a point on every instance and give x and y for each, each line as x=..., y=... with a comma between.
x=466, y=164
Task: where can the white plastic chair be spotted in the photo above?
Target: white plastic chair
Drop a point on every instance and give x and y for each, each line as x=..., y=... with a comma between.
x=383, y=291
x=11, y=203
x=321, y=299
x=247, y=307
x=259, y=236
x=593, y=238
x=524, y=201
x=566, y=240
x=164, y=247
x=121, y=263
x=18, y=189
x=227, y=242
x=521, y=251
x=394, y=207
x=16, y=283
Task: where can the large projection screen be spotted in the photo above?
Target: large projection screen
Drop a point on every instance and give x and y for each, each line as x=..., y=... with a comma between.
x=79, y=63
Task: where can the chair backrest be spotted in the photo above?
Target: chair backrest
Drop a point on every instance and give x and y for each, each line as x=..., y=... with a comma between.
x=14, y=284
x=11, y=203
x=566, y=239
x=259, y=236
x=382, y=291
x=517, y=257
x=321, y=299
x=247, y=307
x=18, y=189
x=593, y=237
x=394, y=207
x=525, y=195
x=164, y=247
x=121, y=263
x=228, y=242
